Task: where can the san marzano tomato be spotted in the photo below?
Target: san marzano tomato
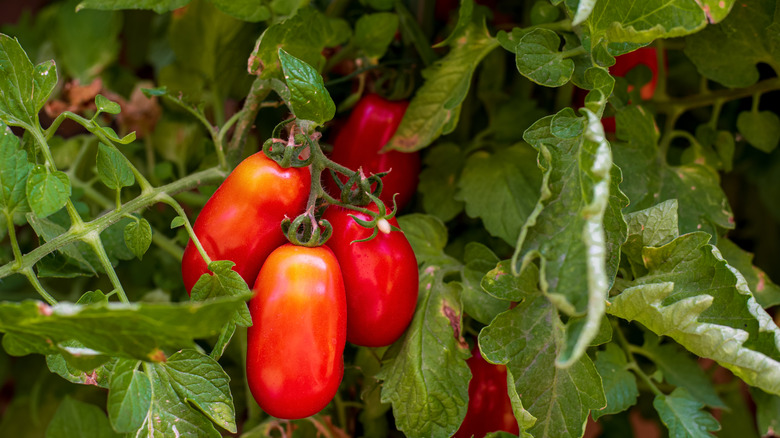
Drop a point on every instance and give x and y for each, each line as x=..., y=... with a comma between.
x=370, y=126
x=489, y=408
x=241, y=221
x=294, y=358
x=380, y=277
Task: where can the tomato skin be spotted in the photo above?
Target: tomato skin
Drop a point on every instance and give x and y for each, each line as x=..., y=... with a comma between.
x=369, y=127
x=294, y=358
x=241, y=221
x=643, y=55
x=380, y=278
x=489, y=406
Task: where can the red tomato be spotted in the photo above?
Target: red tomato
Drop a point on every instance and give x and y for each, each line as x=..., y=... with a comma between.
x=489, y=408
x=294, y=357
x=241, y=221
x=380, y=278
x=370, y=126
x=643, y=55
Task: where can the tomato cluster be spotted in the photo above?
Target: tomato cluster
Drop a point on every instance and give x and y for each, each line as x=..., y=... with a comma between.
x=309, y=300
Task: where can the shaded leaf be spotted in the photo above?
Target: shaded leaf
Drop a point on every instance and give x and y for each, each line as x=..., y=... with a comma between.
x=619, y=383
x=439, y=181
x=129, y=396
x=75, y=418
x=159, y=6
x=47, y=192
x=138, y=237
x=683, y=416
x=760, y=129
x=113, y=168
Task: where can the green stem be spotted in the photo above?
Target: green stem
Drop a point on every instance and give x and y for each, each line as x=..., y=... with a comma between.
x=99, y=224
x=209, y=128
x=571, y=53
x=93, y=239
x=28, y=272
x=259, y=91
x=666, y=140
x=660, y=89
x=558, y=26
x=9, y=220
x=716, y=108
x=683, y=104
x=632, y=364
x=166, y=199
x=756, y=102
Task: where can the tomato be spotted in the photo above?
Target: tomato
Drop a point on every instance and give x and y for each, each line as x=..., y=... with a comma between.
x=625, y=63
x=369, y=127
x=380, y=278
x=241, y=221
x=489, y=406
x=294, y=358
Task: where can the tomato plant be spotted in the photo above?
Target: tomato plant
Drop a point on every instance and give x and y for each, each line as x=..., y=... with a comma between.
x=490, y=408
x=370, y=125
x=588, y=188
x=294, y=357
x=241, y=221
x=380, y=278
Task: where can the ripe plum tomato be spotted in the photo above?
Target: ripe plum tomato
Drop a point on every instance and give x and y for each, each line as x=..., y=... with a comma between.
x=294, y=357
x=369, y=127
x=380, y=278
x=489, y=408
x=241, y=221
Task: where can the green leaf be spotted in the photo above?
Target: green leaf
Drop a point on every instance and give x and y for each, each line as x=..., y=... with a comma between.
x=303, y=36
x=439, y=181
x=584, y=9
x=693, y=296
x=577, y=227
x=524, y=339
x=654, y=226
x=224, y=282
x=502, y=284
x=113, y=168
x=186, y=387
x=105, y=105
x=501, y=188
x=14, y=169
x=427, y=382
x=159, y=6
x=138, y=237
x=428, y=237
x=746, y=35
x=75, y=418
x=135, y=331
x=309, y=100
x=47, y=192
x=681, y=369
x=129, y=396
x=375, y=32
x=737, y=420
x=642, y=21
x=23, y=88
x=246, y=10
x=436, y=106
x=478, y=260
x=177, y=222
x=619, y=383
x=766, y=292
x=760, y=129
x=99, y=376
x=702, y=203
x=85, y=42
x=78, y=253
x=767, y=411
x=538, y=58
x=683, y=416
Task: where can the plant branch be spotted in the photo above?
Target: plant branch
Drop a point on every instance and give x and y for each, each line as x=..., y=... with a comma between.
x=632, y=363
x=680, y=105
x=259, y=91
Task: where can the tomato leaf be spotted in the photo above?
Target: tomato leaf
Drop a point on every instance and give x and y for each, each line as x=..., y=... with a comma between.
x=578, y=254
x=76, y=418
x=619, y=383
x=375, y=32
x=13, y=178
x=138, y=237
x=478, y=260
x=159, y=6
x=427, y=382
x=693, y=296
x=767, y=411
x=436, y=107
x=309, y=100
x=501, y=188
x=702, y=203
x=747, y=34
x=113, y=168
x=24, y=88
x=683, y=415
x=129, y=396
x=439, y=179
x=428, y=237
x=245, y=10
x=766, y=292
x=60, y=365
x=760, y=129
x=538, y=58
x=47, y=191
x=524, y=340
x=136, y=331
x=105, y=105
x=681, y=370
x=186, y=387
x=502, y=284
x=224, y=282
x=654, y=226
